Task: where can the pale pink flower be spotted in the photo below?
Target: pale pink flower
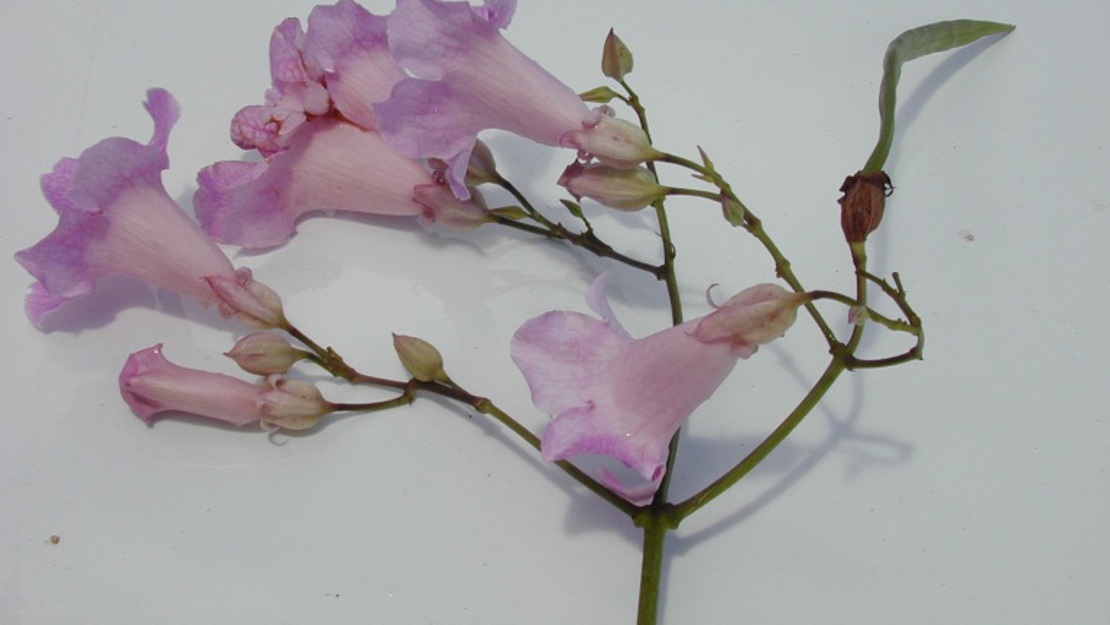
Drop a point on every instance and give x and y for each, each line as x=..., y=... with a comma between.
x=616, y=396
x=151, y=385
x=328, y=165
x=467, y=78
x=116, y=217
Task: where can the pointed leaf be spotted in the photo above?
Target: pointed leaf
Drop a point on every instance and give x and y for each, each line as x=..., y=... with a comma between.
x=914, y=43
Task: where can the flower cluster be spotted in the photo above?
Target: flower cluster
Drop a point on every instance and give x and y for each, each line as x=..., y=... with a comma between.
x=380, y=115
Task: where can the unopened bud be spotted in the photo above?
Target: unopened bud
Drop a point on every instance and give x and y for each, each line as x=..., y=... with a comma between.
x=481, y=168
x=264, y=353
x=291, y=404
x=442, y=207
x=616, y=58
x=248, y=300
x=622, y=189
x=612, y=141
x=861, y=206
x=752, y=317
x=421, y=358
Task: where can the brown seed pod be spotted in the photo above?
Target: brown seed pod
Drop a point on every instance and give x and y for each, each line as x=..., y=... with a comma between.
x=861, y=206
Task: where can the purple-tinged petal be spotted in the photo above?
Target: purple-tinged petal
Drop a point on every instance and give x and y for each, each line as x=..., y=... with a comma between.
x=639, y=494
x=286, y=54
x=560, y=354
x=329, y=165
x=497, y=12
x=598, y=302
x=349, y=46
x=295, y=97
x=468, y=78
x=115, y=217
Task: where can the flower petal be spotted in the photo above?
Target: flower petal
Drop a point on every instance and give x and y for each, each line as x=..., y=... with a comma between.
x=348, y=45
x=329, y=165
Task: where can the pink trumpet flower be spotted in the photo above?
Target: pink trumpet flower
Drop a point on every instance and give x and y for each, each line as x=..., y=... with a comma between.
x=467, y=78
x=116, y=217
x=151, y=385
x=616, y=396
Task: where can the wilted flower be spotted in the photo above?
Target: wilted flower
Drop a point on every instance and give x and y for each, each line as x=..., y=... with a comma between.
x=150, y=384
x=622, y=189
x=625, y=398
x=468, y=78
x=116, y=217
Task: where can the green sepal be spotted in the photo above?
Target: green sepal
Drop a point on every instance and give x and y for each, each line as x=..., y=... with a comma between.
x=733, y=211
x=514, y=213
x=599, y=95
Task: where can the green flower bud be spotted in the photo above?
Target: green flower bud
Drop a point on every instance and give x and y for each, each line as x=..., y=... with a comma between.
x=421, y=359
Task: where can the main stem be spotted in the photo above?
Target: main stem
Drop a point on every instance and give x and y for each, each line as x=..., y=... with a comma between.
x=651, y=568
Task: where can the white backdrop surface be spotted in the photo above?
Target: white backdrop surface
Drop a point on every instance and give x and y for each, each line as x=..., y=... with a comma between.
x=968, y=488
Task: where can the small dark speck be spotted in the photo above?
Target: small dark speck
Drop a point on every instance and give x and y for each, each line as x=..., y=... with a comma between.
x=967, y=235
x=55, y=539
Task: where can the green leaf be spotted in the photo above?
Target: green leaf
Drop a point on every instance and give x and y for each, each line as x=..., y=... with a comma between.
x=914, y=43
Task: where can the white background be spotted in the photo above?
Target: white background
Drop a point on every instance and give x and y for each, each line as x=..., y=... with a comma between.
x=967, y=488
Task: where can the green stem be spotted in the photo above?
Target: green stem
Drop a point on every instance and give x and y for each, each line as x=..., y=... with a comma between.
x=334, y=364
x=896, y=325
x=835, y=367
x=655, y=520
x=754, y=226
x=585, y=240
x=651, y=567
x=487, y=407
x=402, y=400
